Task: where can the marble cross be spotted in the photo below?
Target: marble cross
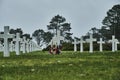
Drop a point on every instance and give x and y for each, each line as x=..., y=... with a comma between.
x=114, y=45
x=6, y=36
x=91, y=40
x=1, y=46
x=24, y=44
x=12, y=46
x=17, y=43
x=75, y=45
x=81, y=44
x=101, y=42
x=31, y=46
x=28, y=45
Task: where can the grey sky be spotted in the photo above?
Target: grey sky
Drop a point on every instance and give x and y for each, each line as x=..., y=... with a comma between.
x=36, y=14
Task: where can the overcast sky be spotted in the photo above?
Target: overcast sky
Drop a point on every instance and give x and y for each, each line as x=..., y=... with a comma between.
x=31, y=15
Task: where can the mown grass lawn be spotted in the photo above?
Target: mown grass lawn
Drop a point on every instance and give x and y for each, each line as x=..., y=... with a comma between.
x=66, y=66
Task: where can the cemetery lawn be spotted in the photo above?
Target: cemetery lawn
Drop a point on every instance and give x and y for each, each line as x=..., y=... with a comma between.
x=66, y=66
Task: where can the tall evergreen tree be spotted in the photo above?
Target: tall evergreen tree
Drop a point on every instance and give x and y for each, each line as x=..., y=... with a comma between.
x=59, y=23
x=112, y=22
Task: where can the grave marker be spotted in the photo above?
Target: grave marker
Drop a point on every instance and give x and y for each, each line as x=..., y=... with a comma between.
x=91, y=40
x=101, y=42
x=12, y=46
x=114, y=45
x=116, y=48
x=1, y=46
x=75, y=45
x=6, y=36
x=55, y=43
x=24, y=44
x=17, y=43
x=81, y=44
x=28, y=46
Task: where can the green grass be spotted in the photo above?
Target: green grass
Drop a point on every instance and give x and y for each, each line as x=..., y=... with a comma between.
x=67, y=66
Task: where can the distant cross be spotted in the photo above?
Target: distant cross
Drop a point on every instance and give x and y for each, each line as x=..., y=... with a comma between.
x=24, y=44
x=28, y=45
x=31, y=45
x=75, y=45
x=12, y=46
x=116, y=48
x=91, y=40
x=17, y=43
x=101, y=42
x=6, y=36
x=1, y=46
x=114, y=45
x=81, y=44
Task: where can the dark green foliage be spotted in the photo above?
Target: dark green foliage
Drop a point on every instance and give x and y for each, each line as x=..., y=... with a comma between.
x=67, y=46
x=68, y=37
x=47, y=37
x=111, y=25
x=112, y=22
x=18, y=30
x=26, y=35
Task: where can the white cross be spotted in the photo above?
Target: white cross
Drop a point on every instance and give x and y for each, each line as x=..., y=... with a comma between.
x=101, y=42
x=114, y=43
x=6, y=36
x=91, y=40
x=56, y=39
x=1, y=46
x=28, y=45
x=17, y=43
x=31, y=45
x=24, y=44
x=12, y=46
x=75, y=45
x=81, y=44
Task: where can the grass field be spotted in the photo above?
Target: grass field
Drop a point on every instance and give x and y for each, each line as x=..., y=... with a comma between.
x=67, y=66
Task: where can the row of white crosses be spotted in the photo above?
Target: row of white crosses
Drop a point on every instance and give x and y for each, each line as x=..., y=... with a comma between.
x=91, y=40
x=27, y=45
